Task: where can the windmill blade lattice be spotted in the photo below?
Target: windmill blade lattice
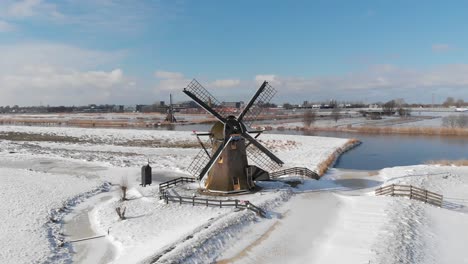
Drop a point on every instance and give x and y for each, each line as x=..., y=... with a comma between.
x=257, y=107
x=257, y=157
x=198, y=163
x=201, y=93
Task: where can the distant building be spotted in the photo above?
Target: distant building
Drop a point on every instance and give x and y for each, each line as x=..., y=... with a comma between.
x=233, y=104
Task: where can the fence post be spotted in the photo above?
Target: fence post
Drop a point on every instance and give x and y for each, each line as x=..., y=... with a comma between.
x=180, y=199
x=206, y=202
x=236, y=202
x=411, y=191
x=393, y=189
x=167, y=199
x=193, y=201
x=220, y=204
x=425, y=201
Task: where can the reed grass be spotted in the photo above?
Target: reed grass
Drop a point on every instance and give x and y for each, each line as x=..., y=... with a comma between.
x=448, y=162
x=430, y=131
x=322, y=168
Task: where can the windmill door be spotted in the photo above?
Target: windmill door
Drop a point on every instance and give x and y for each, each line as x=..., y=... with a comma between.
x=236, y=183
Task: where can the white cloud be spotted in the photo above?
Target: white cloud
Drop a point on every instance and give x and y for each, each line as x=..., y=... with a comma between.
x=56, y=86
x=228, y=83
x=168, y=75
x=31, y=8
x=5, y=26
x=61, y=74
x=441, y=47
x=170, y=82
x=270, y=78
x=384, y=80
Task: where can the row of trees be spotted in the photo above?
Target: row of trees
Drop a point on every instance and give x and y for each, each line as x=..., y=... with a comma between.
x=310, y=116
x=450, y=101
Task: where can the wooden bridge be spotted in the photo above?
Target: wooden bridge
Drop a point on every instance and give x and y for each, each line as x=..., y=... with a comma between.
x=298, y=171
x=412, y=192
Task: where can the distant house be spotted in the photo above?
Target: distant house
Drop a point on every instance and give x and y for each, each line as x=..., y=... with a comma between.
x=233, y=104
x=129, y=108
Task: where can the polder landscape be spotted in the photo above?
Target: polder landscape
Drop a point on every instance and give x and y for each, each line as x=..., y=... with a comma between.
x=179, y=132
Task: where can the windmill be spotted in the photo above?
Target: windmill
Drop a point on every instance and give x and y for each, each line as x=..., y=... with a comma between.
x=227, y=164
x=170, y=112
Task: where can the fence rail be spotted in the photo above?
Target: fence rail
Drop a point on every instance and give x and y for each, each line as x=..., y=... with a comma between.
x=412, y=192
x=166, y=185
x=300, y=171
x=212, y=202
x=163, y=194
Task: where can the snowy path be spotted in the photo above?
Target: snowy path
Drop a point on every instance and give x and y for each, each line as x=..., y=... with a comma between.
x=78, y=225
x=317, y=224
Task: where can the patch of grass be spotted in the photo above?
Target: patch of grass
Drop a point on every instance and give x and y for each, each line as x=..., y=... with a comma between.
x=20, y=136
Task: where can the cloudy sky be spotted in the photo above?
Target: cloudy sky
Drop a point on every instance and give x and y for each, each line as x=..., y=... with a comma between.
x=76, y=52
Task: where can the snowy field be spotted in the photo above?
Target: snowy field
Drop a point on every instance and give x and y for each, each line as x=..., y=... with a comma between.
x=62, y=184
x=51, y=175
x=339, y=220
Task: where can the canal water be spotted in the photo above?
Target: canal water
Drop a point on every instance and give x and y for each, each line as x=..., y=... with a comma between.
x=381, y=151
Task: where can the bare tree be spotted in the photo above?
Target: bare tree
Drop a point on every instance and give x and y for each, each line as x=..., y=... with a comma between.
x=124, y=188
x=121, y=212
x=449, y=102
x=389, y=107
x=336, y=114
x=309, y=118
x=404, y=112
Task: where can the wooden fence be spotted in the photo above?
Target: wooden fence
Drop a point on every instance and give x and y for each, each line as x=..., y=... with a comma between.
x=412, y=192
x=299, y=171
x=213, y=202
x=166, y=185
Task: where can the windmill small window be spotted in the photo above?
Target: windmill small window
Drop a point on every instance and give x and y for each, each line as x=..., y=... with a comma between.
x=233, y=145
x=220, y=161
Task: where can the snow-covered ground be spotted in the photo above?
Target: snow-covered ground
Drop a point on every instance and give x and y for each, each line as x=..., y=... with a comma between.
x=340, y=220
x=69, y=190
x=54, y=173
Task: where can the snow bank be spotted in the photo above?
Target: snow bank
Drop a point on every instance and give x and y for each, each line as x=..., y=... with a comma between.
x=27, y=198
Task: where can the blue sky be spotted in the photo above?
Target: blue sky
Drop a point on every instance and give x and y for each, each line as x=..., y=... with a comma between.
x=126, y=52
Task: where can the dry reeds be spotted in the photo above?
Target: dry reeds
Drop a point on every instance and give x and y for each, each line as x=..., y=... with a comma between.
x=430, y=131
x=448, y=162
x=324, y=165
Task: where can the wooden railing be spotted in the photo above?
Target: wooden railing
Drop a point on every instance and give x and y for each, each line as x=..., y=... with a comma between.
x=163, y=194
x=166, y=185
x=212, y=202
x=299, y=171
x=412, y=192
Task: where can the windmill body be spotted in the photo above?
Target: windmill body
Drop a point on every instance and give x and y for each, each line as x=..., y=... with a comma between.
x=227, y=163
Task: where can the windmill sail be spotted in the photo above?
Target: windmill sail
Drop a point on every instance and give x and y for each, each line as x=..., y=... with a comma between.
x=198, y=163
x=204, y=98
x=255, y=106
x=259, y=158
